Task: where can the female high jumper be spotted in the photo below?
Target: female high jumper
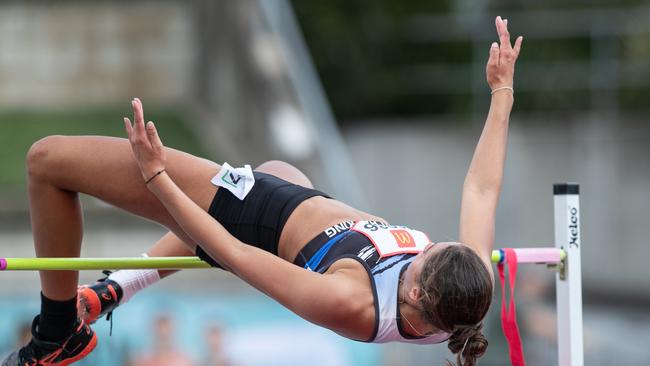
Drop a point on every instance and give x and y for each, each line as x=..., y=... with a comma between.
x=333, y=265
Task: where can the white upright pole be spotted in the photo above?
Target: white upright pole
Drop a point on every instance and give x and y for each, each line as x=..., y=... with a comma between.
x=569, y=279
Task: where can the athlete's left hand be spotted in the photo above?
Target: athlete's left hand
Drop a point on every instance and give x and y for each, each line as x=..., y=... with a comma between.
x=147, y=147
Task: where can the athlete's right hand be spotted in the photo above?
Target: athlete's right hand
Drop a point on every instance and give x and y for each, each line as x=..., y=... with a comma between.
x=147, y=147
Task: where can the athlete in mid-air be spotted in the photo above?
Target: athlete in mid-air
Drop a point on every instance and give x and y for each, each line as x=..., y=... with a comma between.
x=333, y=265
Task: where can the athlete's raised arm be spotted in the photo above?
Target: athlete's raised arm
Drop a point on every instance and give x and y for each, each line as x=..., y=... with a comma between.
x=482, y=184
x=323, y=299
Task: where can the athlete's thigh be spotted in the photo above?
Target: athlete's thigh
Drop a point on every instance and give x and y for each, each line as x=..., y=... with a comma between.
x=104, y=167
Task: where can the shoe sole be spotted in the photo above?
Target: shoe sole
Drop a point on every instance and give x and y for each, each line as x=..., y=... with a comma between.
x=88, y=307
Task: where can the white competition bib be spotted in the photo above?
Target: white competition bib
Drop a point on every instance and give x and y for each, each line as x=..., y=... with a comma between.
x=392, y=239
x=239, y=181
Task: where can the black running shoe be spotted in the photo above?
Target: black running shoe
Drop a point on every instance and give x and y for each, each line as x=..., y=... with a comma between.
x=41, y=353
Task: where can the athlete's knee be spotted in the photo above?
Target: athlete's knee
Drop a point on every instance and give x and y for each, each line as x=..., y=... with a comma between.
x=40, y=156
x=285, y=171
x=273, y=164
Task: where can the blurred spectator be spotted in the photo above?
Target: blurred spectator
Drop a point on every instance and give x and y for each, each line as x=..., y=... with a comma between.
x=164, y=352
x=214, y=342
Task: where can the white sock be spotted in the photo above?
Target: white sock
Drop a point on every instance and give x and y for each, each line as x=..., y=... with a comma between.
x=133, y=280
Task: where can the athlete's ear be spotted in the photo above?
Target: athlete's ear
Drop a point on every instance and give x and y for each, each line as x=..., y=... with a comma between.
x=414, y=294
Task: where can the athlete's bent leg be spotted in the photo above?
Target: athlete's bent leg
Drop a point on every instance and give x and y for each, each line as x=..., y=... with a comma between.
x=102, y=167
x=59, y=167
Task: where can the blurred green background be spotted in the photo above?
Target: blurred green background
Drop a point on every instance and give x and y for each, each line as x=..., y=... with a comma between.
x=19, y=129
x=372, y=55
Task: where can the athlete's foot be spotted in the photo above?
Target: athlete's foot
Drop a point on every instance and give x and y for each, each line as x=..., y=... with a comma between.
x=41, y=353
x=99, y=299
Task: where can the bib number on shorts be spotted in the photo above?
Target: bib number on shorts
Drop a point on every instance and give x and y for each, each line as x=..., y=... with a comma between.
x=239, y=181
x=392, y=239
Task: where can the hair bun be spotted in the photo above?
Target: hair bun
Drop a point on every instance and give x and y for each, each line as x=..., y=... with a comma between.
x=468, y=343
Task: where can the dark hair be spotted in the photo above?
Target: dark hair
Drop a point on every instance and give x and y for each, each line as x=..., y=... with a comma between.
x=457, y=294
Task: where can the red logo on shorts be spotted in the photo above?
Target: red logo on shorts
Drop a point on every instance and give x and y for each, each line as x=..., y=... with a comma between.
x=403, y=238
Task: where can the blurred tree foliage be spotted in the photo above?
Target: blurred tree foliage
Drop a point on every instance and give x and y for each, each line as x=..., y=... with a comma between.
x=20, y=129
x=358, y=46
x=371, y=65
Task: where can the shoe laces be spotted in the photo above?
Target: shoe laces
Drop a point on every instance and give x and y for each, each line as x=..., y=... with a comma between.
x=109, y=315
x=106, y=273
x=28, y=354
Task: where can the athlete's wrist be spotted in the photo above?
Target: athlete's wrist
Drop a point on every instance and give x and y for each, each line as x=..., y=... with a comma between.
x=503, y=97
x=151, y=177
x=159, y=184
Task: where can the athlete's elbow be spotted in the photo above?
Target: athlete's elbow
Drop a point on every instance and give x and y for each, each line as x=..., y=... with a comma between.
x=236, y=258
x=482, y=187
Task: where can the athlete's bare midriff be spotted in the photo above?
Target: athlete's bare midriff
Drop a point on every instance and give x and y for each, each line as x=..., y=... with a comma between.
x=310, y=218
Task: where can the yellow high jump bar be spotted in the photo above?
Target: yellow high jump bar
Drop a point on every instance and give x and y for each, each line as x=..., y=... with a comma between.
x=524, y=255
